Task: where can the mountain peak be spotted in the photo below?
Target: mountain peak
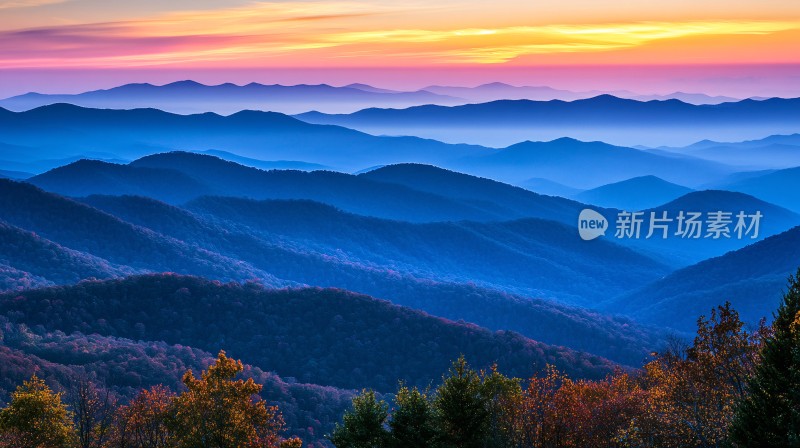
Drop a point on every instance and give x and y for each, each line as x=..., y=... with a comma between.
x=496, y=85
x=185, y=83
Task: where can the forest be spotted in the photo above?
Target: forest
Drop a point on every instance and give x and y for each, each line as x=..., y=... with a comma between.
x=731, y=386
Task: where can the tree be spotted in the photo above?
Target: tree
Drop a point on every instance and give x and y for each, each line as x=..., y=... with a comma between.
x=36, y=418
x=769, y=415
x=502, y=396
x=535, y=419
x=93, y=410
x=364, y=425
x=691, y=393
x=462, y=412
x=142, y=423
x=412, y=424
x=220, y=412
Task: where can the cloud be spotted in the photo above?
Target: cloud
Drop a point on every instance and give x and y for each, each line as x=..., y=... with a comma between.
x=8, y=4
x=303, y=33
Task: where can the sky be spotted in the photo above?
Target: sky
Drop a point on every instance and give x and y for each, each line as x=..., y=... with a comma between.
x=732, y=47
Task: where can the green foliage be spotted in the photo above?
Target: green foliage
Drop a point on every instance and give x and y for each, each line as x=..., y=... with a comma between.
x=463, y=418
x=769, y=416
x=502, y=396
x=364, y=426
x=36, y=418
x=413, y=417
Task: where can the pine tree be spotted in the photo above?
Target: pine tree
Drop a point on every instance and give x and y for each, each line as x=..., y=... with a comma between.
x=412, y=423
x=462, y=410
x=769, y=416
x=503, y=397
x=364, y=425
x=36, y=418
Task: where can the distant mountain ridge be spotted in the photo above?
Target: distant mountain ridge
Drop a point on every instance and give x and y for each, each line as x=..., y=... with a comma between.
x=143, y=235
x=752, y=279
x=604, y=117
x=599, y=164
x=179, y=176
x=190, y=97
x=637, y=193
x=62, y=131
x=774, y=220
x=781, y=187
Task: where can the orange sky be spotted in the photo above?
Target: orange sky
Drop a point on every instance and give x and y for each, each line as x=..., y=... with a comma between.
x=204, y=34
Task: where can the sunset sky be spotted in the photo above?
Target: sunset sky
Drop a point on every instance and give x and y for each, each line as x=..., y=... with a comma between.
x=734, y=47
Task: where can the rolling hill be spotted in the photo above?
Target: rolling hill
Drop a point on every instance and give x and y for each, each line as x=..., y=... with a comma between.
x=179, y=176
x=502, y=199
x=686, y=251
x=124, y=366
x=323, y=336
x=87, y=177
x=638, y=193
x=781, y=187
x=751, y=278
x=62, y=131
x=604, y=117
x=85, y=229
x=530, y=257
x=310, y=262
x=190, y=97
x=598, y=164
x=153, y=236
x=27, y=255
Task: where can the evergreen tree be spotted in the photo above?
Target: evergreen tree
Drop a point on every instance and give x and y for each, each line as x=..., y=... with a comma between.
x=36, y=418
x=364, y=425
x=503, y=396
x=462, y=410
x=769, y=416
x=412, y=423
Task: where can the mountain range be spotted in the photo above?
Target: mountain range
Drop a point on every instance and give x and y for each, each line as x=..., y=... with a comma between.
x=608, y=118
x=42, y=138
x=598, y=164
x=780, y=187
x=190, y=97
x=116, y=236
x=633, y=194
x=62, y=131
x=681, y=251
x=752, y=279
x=272, y=329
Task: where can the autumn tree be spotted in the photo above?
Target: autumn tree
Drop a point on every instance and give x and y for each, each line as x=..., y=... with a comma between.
x=534, y=420
x=364, y=425
x=218, y=411
x=142, y=423
x=93, y=411
x=36, y=418
x=769, y=415
x=692, y=393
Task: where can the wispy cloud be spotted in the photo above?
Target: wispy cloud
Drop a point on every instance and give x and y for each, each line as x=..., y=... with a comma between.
x=8, y=4
x=334, y=32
